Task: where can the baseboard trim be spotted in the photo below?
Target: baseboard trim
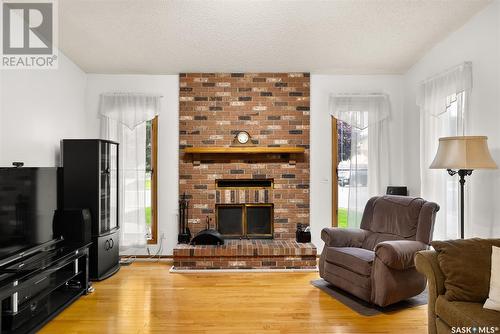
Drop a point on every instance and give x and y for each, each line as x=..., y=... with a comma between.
x=212, y=271
x=134, y=258
x=147, y=256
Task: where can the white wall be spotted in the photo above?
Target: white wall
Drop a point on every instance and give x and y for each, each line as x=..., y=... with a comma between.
x=168, y=141
x=38, y=109
x=321, y=158
x=477, y=41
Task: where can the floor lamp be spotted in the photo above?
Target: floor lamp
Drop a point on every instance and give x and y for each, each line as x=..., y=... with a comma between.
x=461, y=155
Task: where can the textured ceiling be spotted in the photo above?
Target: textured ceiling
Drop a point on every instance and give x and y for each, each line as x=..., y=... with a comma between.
x=166, y=37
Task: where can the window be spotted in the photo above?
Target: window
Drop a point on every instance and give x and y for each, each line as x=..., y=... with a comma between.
x=352, y=173
x=453, y=118
x=452, y=124
x=360, y=157
x=443, y=103
x=151, y=180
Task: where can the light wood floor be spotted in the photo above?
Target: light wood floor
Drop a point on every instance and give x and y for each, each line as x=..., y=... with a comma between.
x=146, y=298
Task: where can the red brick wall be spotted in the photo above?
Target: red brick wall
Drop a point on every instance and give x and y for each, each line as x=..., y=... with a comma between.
x=274, y=109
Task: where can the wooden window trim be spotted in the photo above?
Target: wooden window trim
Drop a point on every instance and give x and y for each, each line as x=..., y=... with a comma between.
x=335, y=164
x=154, y=182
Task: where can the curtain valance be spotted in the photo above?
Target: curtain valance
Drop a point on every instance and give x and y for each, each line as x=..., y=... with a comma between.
x=358, y=110
x=433, y=92
x=129, y=109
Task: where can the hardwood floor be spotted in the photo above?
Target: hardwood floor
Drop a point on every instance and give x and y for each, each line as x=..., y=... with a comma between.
x=145, y=298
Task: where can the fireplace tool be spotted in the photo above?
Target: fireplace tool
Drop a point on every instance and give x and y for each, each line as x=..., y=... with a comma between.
x=184, y=234
x=208, y=236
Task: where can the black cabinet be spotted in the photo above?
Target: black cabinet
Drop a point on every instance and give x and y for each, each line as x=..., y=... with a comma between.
x=90, y=180
x=36, y=287
x=106, y=248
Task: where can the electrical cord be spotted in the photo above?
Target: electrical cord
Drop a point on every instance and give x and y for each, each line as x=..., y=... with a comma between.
x=160, y=248
x=129, y=260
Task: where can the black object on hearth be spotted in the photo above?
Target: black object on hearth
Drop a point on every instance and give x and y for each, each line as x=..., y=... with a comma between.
x=90, y=180
x=303, y=233
x=208, y=236
x=184, y=234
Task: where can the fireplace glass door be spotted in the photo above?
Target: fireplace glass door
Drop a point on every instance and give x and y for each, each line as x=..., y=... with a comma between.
x=245, y=220
x=230, y=220
x=258, y=220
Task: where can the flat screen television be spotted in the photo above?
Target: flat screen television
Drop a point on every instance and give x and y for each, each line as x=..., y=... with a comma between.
x=28, y=200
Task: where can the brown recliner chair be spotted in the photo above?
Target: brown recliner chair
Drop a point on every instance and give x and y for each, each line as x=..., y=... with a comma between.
x=376, y=262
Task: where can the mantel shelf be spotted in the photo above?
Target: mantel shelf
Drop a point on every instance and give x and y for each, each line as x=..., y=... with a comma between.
x=244, y=150
x=291, y=151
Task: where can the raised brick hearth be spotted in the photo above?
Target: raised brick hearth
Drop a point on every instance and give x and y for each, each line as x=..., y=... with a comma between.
x=247, y=254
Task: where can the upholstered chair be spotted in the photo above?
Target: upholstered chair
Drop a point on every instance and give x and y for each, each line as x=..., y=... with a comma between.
x=376, y=261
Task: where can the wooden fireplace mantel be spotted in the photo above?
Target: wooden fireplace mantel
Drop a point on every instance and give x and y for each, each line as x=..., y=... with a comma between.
x=291, y=151
x=244, y=150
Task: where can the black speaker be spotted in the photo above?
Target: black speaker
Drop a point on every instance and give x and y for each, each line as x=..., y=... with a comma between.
x=399, y=191
x=74, y=225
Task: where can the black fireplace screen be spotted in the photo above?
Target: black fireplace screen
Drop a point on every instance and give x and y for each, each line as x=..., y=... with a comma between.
x=245, y=220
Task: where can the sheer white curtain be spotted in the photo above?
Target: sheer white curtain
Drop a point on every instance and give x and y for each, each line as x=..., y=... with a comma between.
x=123, y=119
x=369, y=163
x=443, y=101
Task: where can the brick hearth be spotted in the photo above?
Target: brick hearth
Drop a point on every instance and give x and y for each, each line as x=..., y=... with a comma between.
x=247, y=254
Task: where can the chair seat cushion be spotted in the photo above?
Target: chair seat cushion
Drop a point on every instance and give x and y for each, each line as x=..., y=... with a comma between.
x=347, y=280
x=358, y=260
x=465, y=314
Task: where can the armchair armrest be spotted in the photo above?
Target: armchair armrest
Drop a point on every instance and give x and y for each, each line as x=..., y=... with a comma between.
x=343, y=237
x=426, y=262
x=399, y=254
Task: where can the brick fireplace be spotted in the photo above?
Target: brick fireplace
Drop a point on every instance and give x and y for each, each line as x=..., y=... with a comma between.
x=239, y=187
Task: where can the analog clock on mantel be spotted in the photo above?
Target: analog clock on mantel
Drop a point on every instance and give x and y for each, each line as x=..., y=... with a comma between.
x=242, y=138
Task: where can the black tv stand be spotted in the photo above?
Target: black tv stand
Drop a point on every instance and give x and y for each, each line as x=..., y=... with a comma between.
x=39, y=284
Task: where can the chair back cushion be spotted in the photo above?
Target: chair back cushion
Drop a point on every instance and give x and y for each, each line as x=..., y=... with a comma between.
x=466, y=265
x=396, y=215
x=399, y=217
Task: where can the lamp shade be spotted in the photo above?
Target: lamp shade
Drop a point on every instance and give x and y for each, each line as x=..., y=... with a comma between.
x=463, y=152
